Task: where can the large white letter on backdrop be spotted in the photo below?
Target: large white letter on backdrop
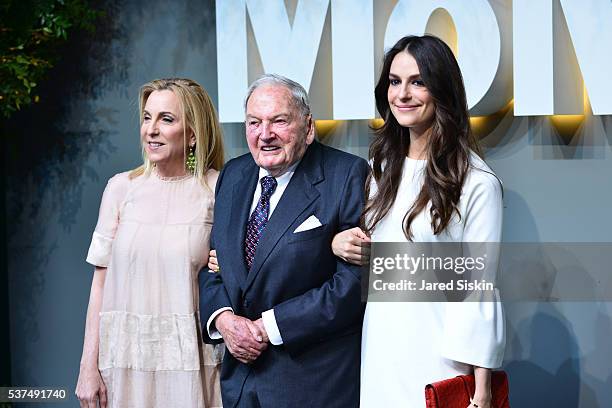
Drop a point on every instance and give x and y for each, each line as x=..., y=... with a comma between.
x=286, y=50
x=532, y=39
x=291, y=50
x=353, y=59
x=546, y=77
x=232, y=67
x=478, y=40
x=590, y=27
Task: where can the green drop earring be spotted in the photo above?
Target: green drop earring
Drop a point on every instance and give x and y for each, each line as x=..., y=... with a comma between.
x=190, y=163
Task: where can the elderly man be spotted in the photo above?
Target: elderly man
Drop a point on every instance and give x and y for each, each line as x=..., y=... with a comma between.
x=288, y=310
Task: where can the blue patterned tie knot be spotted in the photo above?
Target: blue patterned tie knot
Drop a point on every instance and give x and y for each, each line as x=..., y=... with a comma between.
x=268, y=185
x=259, y=219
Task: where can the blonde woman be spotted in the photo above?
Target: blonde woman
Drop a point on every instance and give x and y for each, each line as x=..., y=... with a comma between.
x=143, y=346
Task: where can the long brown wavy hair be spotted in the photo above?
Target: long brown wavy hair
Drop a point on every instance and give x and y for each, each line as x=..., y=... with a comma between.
x=449, y=144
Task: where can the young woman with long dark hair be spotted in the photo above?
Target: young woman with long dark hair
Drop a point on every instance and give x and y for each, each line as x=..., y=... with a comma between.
x=428, y=184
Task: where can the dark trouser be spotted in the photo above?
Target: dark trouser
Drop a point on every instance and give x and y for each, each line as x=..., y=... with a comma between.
x=248, y=397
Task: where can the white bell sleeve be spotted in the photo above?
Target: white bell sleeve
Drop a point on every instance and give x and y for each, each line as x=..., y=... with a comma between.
x=474, y=330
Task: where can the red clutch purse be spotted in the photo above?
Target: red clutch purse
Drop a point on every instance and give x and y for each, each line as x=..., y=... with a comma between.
x=456, y=392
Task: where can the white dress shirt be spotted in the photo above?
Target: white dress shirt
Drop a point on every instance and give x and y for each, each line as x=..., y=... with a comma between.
x=268, y=318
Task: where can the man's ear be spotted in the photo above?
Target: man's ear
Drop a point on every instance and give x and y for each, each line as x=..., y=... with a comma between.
x=310, y=136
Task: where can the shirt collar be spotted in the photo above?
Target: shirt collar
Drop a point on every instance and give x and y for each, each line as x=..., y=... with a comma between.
x=285, y=177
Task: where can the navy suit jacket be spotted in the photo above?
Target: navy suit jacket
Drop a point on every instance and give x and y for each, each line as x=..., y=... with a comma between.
x=315, y=295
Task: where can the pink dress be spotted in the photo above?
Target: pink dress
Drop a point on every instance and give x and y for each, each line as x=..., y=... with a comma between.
x=153, y=237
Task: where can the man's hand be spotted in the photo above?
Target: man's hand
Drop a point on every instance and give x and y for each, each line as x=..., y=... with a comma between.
x=243, y=338
x=262, y=329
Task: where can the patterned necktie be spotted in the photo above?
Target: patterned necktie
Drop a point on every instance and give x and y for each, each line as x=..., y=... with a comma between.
x=259, y=219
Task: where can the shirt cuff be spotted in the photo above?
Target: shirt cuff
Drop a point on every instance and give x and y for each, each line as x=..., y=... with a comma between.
x=269, y=322
x=213, y=333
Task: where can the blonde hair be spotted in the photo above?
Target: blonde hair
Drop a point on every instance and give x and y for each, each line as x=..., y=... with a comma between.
x=198, y=115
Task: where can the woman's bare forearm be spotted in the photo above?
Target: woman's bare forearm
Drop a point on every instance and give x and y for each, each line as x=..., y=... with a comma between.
x=482, y=377
x=89, y=359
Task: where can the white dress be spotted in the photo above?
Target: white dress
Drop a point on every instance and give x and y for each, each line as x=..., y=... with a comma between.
x=153, y=237
x=408, y=345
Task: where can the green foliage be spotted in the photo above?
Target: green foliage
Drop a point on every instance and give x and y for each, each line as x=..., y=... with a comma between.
x=31, y=36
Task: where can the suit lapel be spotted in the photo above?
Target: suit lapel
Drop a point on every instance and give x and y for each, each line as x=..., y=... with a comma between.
x=242, y=196
x=298, y=195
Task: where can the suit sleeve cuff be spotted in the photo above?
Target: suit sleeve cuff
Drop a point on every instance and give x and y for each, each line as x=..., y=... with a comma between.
x=269, y=322
x=213, y=333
